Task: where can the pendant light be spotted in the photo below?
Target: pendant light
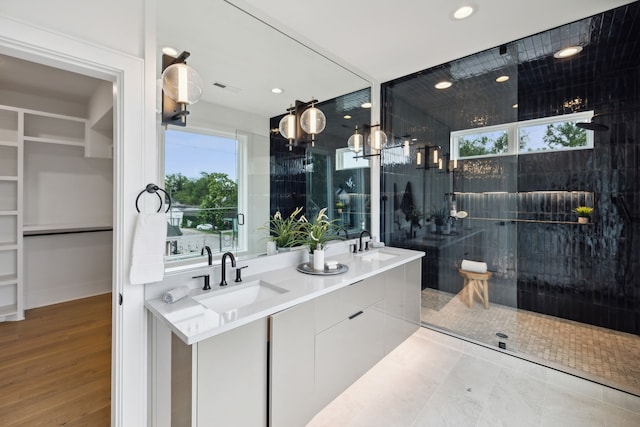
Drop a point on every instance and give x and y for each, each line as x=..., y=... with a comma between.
x=356, y=142
x=377, y=139
x=295, y=125
x=181, y=86
x=313, y=121
x=287, y=127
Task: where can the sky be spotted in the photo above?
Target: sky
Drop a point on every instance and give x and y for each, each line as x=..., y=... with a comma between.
x=191, y=153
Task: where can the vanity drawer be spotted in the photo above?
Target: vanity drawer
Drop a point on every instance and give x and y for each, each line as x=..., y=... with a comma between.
x=337, y=306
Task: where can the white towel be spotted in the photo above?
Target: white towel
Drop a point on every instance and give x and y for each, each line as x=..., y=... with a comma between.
x=332, y=265
x=175, y=294
x=147, y=255
x=473, y=266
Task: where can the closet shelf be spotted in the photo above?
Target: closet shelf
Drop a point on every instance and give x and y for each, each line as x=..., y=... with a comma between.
x=8, y=310
x=55, y=141
x=9, y=143
x=33, y=230
x=8, y=246
x=8, y=279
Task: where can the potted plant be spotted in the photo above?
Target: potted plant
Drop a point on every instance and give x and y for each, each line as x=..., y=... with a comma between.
x=286, y=232
x=339, y=206
x=439, y=217
x=584, y=212
x=318, y=233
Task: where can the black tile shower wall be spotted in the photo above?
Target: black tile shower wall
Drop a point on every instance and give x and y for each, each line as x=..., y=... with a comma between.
x=585, y=273
x=523, y=204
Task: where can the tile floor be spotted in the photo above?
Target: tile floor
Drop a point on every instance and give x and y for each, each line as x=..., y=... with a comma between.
x=596, y=353
x=433, y=380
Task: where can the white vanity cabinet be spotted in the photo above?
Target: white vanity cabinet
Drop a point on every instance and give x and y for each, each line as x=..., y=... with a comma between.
x=221, y=381
x=319, y=348
x=347, y=349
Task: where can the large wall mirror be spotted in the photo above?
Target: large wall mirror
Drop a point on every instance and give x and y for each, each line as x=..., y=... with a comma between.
x=218, y=168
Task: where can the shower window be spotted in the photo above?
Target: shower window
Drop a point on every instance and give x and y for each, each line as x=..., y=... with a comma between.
x=547, y=134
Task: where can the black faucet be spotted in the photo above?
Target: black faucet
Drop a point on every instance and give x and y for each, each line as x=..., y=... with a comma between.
x=223, y=280
x=346, y=233
x=209, y=257
x=360, y=239
x=207, y=286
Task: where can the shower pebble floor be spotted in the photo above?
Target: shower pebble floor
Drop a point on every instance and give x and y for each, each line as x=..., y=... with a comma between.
x=595, y=353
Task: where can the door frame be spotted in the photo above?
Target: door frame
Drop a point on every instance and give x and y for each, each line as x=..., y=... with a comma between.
x=133, y=148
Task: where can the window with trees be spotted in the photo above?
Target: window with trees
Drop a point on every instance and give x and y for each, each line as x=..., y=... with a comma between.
x=201, y=177
x=532, y=136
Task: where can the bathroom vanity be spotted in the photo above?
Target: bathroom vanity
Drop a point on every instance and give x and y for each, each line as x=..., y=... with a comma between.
x=276, y=348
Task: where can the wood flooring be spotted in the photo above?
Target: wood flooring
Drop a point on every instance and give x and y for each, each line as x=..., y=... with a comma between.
x=55, y=366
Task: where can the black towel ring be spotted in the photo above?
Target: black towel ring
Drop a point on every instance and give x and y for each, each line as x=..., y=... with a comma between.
x=152, y=188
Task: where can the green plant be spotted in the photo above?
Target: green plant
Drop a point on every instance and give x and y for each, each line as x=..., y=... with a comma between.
x=415, y=215
x=286, y=232
x=320, y=231
x=439, y=215
x=583, y=211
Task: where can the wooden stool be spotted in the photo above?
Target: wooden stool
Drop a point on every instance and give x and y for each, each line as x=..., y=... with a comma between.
x=476, y=283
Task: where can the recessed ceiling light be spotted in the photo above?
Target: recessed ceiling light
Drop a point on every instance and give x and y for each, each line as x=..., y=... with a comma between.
x=463, y=12
x=276, y=90
x=366, y=105
x=171, y=51
x=414, y=139
x=514, y=106
x=502, y=79
x=443, y=85
x=567, y=52
x=346, y=117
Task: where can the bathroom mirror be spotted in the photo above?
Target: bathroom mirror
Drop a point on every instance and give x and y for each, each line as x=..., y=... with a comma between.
x=241, y=59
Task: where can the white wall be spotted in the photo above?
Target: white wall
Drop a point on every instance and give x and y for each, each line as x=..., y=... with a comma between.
x=116, y=24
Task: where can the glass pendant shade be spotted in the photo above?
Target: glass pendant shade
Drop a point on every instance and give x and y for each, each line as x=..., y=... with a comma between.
x=377, y=140
x=287, y=126
x=182, y=84
x=313, y=121
x=355, y=142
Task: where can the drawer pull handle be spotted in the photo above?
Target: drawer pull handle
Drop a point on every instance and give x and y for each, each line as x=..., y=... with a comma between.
x=353, y=316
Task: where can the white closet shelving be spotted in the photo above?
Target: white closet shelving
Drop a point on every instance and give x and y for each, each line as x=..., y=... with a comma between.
x=11, y=160
x=52, y=181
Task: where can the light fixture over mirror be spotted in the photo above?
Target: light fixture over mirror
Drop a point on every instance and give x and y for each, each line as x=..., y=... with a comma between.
x=313, y=121
x=181, y=86
x=356, y=142
x=302, y=120
x=377, y=139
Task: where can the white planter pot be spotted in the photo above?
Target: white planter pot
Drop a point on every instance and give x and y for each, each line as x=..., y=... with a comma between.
x=271, y=248
x=318, y=260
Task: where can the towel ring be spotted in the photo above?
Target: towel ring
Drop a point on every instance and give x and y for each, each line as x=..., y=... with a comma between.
x=153, y=188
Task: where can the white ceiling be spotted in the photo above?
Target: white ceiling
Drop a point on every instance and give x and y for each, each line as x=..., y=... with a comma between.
x=319, y=49
x=389, y=39
x=378, y=40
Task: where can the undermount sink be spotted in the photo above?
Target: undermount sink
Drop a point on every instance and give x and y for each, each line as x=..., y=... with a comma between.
x=378, y=255
x=239, y=296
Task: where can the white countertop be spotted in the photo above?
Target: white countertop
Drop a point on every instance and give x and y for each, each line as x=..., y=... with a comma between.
x=193, y=322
